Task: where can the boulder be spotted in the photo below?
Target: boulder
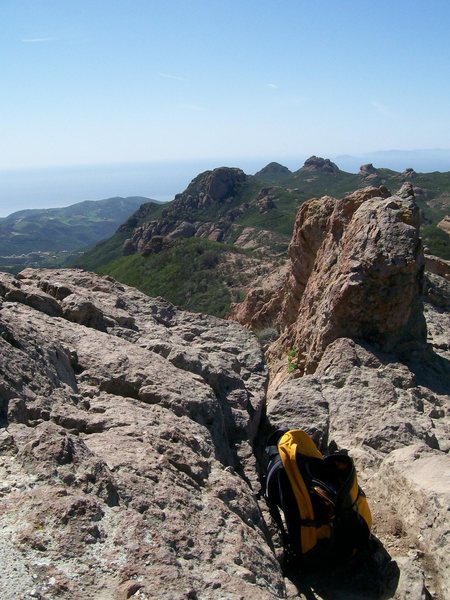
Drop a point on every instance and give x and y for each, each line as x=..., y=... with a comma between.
x=221, y=183
x=409, y=173
x=368, y=170
x=348, y=255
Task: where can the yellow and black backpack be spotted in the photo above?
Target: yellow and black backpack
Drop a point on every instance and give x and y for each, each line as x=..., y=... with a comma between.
x=315, y=500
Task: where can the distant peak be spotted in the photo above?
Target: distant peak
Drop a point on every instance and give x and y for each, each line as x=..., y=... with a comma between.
x=367, y=169
x=273, y=168
x=321, y=165
x=217, y=184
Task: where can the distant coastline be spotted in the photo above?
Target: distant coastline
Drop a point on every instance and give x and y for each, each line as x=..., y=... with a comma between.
x=61, y=186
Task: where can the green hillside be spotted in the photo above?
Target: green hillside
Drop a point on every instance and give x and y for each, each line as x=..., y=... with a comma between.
x=68, y=228
x=55, y=236
x=191, y=274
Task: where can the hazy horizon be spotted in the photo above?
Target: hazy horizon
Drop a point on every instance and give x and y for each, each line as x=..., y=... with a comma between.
x=51, y=187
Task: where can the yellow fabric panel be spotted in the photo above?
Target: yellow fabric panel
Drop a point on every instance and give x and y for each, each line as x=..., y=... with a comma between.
x=362, y=506
x=323, y=532
x=287, y=448
x=355, y=490
x=364, y=511
x=303, y=442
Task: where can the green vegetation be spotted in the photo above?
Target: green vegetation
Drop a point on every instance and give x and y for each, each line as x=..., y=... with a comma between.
x=292, y=360
x=436, y=241
x=69, y=228
x=279, y=219
x=102, y=253
x=187, y=274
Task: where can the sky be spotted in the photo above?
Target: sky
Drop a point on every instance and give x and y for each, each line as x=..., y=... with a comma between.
x=104, y=82
x=95, y=82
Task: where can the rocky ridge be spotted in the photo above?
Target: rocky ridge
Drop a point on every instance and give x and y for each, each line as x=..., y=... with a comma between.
x=225, y=211
x=126, y=448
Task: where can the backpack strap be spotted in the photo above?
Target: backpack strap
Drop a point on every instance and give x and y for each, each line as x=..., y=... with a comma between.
x=274, y=495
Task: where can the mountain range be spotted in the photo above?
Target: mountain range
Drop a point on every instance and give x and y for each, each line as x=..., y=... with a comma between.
x=227, y=230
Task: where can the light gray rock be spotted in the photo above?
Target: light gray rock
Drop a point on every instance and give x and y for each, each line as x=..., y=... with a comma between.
x=126, y=456
x=412, y=495
x=394, y=421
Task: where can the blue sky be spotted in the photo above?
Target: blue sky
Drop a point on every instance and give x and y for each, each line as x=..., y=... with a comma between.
x=96, y=82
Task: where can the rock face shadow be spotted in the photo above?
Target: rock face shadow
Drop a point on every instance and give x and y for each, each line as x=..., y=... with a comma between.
x=371, y=575
x=432, y=371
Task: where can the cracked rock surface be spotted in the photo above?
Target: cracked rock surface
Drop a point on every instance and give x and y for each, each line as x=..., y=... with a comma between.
x=126, y=446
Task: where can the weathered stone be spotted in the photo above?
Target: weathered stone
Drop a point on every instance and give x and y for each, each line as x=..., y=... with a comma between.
x=123, y=465
x=437, y=266
x=346, y=256
x=317, y=164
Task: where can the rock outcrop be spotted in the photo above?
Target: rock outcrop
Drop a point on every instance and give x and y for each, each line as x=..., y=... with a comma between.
x=126, y=446
x=265, y=200
x=444, y=224
x=216, y=188
x=364, y=379
x=348, y=255
x=367, y=170
x=316, y=164
x=409, y=173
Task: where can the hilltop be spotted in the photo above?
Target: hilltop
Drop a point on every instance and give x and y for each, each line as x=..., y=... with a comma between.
x=228, y=229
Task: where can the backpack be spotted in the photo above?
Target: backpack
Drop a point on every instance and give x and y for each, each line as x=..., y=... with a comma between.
x=315, y=500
